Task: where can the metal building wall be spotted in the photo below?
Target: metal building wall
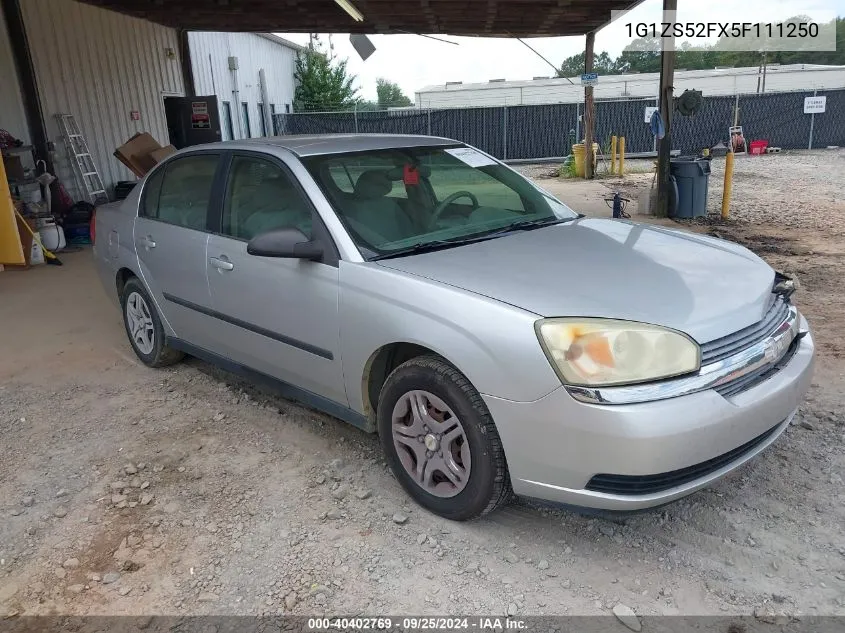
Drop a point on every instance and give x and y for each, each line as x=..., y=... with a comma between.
x=12, y=115
x=100, y=66
x=711, y=82
x=210, y=52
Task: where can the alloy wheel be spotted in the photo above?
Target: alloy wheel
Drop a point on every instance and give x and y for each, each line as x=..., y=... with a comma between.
x=140, y=323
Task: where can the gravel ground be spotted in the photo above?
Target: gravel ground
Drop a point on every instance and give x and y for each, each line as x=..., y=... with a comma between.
x=185, y=491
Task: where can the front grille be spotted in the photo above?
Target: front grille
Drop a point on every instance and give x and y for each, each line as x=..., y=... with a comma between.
x=754, y=378
x=648, y=484
x=746, y=337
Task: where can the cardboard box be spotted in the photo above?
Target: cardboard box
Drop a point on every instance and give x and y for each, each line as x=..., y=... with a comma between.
x=14, y=168
x=136, y=153
x=160, y=154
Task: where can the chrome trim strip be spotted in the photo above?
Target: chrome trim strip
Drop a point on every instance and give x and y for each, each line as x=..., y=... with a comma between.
x=766, y=352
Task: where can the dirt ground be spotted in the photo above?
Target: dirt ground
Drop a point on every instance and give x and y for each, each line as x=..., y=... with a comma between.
x=127, y=490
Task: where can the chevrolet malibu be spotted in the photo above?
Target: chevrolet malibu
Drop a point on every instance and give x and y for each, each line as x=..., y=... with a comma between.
x=496, y=341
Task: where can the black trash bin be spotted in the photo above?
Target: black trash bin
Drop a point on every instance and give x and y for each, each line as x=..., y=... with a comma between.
x=691, y=176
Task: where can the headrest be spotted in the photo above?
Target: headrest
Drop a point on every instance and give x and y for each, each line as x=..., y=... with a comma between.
x=373, y=184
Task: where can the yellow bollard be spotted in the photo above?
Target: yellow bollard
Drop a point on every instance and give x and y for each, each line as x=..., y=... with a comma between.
x=613, y=155
x=729, y=179
x=621, y=155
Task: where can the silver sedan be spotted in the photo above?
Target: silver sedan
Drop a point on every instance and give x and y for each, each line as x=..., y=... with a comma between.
x=497, y=341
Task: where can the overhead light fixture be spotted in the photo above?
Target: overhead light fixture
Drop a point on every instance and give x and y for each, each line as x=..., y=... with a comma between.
x=351, y=10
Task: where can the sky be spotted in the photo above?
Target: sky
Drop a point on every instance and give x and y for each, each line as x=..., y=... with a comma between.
x=482, y=59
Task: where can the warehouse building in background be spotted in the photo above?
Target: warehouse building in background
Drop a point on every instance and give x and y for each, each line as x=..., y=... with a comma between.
x=118, y=75
x=715, y=82
x=230, y=65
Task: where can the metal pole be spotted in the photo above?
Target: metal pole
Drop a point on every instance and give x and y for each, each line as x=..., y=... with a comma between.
x=429, y=121
x=812, y=123
x=621, y=155
x=504, y=132
x=667, y=79
x=654, y=140
x=763, y=89
x=355, y=114
x=589, y=161
x=613, y=141
x=577, y=122
x=736, y=110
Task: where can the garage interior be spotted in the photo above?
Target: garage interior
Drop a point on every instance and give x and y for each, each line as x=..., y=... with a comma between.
x=115, y=65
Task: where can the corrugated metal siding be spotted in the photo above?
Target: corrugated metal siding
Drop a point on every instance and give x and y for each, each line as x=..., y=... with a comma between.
x=100, y=66
x=209, y=61
x=12, y=115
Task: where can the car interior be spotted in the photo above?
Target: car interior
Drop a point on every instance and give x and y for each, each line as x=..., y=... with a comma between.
x=381, y=202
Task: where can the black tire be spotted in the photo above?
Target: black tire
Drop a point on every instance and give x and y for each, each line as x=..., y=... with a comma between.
x=160, y=355
x=489, y=485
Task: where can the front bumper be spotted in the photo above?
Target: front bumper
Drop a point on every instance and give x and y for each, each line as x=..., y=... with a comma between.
x=557, y=444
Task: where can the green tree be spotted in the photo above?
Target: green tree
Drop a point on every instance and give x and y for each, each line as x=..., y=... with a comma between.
x=322, y=81
x=640, y=56
x=390, y=94
x=573, y=66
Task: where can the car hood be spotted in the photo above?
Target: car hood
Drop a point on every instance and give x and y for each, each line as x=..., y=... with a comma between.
x=700, y=285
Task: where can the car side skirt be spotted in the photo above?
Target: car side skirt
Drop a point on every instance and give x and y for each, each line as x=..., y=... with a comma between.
x=284, y=389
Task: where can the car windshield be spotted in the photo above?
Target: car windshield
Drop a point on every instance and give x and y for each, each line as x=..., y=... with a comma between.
x=393, y=201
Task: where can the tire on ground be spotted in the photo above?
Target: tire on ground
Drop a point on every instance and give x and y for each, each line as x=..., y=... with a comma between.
x=161, y=355
x=489, y=484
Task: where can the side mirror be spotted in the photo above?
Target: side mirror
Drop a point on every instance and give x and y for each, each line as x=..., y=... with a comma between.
x=289, y=243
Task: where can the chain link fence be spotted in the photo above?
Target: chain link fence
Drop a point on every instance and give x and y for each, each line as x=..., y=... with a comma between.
x=528, y=132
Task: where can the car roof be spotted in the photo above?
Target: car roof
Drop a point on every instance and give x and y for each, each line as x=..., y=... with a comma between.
x=317, y=144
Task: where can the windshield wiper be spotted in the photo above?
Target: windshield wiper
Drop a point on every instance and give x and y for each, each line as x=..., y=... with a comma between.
x=424, y=247
x=527, y=225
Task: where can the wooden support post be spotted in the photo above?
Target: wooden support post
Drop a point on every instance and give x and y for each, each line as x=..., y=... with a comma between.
x=589, y=159
x=667, y=105
x=728, y=186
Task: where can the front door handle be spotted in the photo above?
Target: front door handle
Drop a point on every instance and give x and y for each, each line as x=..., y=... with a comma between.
x=221, y=263
x=147, y=242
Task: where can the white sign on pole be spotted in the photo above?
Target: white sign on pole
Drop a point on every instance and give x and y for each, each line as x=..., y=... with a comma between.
x=648, y=112
x=589, y=79
x=814, y=105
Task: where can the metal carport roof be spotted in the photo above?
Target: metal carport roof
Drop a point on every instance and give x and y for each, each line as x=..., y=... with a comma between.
x=518, y=18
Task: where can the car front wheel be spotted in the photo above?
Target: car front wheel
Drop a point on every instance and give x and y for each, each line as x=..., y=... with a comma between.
x=440, y=440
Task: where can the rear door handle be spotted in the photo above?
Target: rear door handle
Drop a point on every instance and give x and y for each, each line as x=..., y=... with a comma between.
x=221, y=263
x=147, y=242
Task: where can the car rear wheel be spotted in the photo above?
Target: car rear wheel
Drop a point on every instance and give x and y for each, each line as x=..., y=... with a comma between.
x=143, y=327
x=440, y=440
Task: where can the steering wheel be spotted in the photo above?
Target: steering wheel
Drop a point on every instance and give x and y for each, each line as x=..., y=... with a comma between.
x=438, y=210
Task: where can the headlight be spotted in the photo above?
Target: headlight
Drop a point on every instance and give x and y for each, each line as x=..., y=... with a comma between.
x=593, y=352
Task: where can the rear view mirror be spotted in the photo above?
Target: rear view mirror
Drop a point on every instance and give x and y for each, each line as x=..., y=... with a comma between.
x=290, y=243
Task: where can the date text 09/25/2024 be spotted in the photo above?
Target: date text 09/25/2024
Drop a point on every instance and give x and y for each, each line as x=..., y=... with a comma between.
x=416, y=624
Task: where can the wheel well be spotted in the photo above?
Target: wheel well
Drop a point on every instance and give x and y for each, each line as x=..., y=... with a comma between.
x=123, y=275
x=382, y=362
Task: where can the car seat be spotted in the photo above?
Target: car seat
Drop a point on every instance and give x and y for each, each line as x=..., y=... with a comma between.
x=380, y=214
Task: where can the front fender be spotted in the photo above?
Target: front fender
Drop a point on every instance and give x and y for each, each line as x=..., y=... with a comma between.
x=492, y=343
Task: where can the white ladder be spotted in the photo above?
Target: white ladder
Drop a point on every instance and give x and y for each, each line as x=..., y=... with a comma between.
x=84, y=168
